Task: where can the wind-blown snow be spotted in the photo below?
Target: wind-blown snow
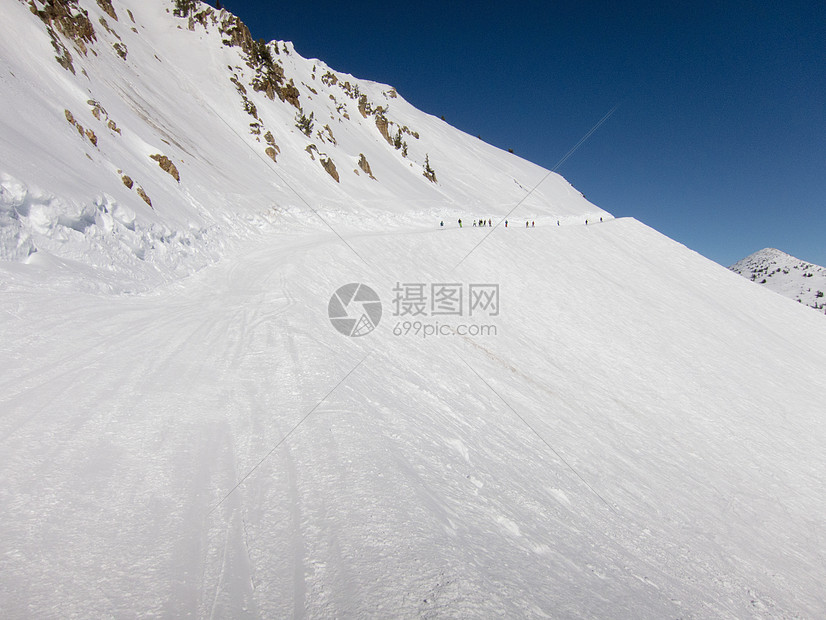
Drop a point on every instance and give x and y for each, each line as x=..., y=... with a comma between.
x=640, y=436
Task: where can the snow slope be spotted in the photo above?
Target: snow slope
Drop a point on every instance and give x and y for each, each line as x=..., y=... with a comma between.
x=782, y=273
x=637, y=433
x=672, y=466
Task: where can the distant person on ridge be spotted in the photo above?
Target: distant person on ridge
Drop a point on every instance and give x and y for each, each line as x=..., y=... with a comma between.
x=490, y=222
x=474, y=223
x=460, y=222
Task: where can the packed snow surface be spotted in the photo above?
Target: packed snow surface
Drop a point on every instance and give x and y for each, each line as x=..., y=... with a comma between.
x=640, y=438
x=622, y=429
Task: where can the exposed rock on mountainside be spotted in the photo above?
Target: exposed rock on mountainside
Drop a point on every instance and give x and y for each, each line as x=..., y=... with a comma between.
x=106, y=5
x=383, y=124
x=143, y=195
x=65, y=18
x=330, y=167
x=68, y=18
x=236, y=110
x=167, y=166
x=365, y=166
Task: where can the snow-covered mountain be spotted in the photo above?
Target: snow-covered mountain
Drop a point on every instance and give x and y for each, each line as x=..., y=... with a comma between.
x=782, y=273
x=565, y=420
x=140, y=143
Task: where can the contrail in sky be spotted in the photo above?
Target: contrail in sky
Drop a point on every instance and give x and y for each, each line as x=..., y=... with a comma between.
x=542, y=180
x=584, y=138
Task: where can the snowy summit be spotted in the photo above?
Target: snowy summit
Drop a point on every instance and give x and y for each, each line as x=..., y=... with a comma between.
x=782, y=273
x=253, y=365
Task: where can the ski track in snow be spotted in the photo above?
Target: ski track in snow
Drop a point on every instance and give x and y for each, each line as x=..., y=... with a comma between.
x=411, y=490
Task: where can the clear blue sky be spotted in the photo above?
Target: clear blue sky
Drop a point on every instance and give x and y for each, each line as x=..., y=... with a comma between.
x=720, y=137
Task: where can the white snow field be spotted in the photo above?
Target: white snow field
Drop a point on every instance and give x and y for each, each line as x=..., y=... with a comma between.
x=631, y=431
x=682, y=474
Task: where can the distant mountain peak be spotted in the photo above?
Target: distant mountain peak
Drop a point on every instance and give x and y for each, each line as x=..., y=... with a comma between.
x=783, y=273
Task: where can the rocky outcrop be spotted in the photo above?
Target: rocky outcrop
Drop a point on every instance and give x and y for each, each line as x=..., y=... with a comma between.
x=107, y=7
x=97, y=109
x=365, y=166
x=67, y=18
x=100, y=114
x=143, y=195
x=167, y=166
x=236, y=32
x=325, y=134
x=330, y=167
x=364, y=106
x=83, y=131
x=324, y=159
x=383, y=125
x=290, y=94
x=272, y=150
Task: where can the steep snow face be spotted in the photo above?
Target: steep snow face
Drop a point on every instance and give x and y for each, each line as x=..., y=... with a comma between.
x=782, y=273
x=144, y=148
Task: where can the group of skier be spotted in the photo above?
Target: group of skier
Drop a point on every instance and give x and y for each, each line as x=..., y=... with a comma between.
x=482, y=223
